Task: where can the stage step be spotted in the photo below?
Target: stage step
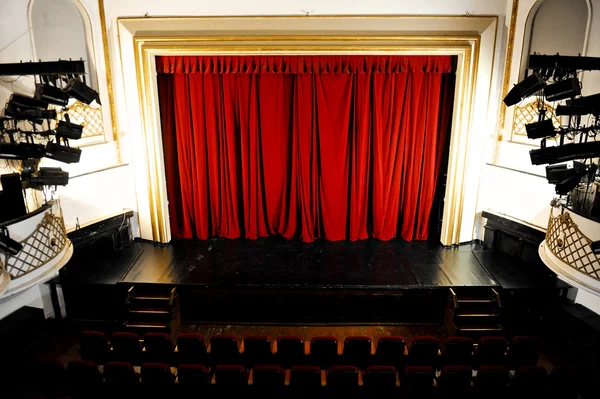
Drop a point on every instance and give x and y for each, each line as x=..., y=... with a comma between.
x=142, y=327
x=152, y=309
x=475, y=314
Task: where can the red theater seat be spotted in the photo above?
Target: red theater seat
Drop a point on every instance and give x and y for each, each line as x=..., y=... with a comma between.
x=224, y=350
x=343, y=381
x=455, y=382
x=390, y=352
x=424, y=351
x=379, y=380
x=84, y=377
x=323, y=351
x=156, y=374
x=491, y=382
x=193, y=374
x=528, y=382
x=290, y=351
x=491, y=351
x=158, y=347
x=94, y=346
x=305, y=381
x=190, y=348
x=126, y=347
x=417, y=382
x=231, y=379
x=563, y=383
x=524, y=351
x=268, y=381
x=357, y=351
x=120, y=374
x=257, y=350
x=50, y=377
x=458, y=351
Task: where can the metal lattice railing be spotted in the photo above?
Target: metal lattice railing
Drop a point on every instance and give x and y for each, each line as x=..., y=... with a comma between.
x=90, y=117
x=528, y=113
x=40, y=247
x=570, y=245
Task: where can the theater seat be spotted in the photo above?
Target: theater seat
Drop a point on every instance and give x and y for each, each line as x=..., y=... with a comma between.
x=458, y=351
x=524, y=351
x=126, y=347
x=50, y=377
x=357, y=351
x=323, y=351
x=424, y=352
x=390, y=352
x=528, y=382
x=94, y=346
x=156, y=374
x=230, y=379
x=455, y=382
x=224, y=350
x=257, y=350
x=379, y=380
x=491, y=382
x=84, y=378
x=193, y=374
x=305, y=381
x=190, y=349
x=120, y=374
x=563, y=383
x=342, y=381
x=491, y=351
x=290, y=351
x=417, y=382
x=268, y=381
x=158, y=348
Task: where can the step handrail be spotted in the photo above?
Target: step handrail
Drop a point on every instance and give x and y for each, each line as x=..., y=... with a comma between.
x=454, y=298
x=497, y=295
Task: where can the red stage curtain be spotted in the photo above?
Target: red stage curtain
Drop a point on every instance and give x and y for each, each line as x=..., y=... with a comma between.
x=340, y=147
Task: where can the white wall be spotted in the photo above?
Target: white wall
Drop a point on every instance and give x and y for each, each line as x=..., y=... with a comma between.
x=569, y=13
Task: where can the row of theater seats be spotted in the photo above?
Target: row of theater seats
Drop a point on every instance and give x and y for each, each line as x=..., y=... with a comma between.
x=85, y=379
x=322, y=351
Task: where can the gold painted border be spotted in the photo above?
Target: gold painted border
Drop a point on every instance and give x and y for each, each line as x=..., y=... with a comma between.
x=109, y=86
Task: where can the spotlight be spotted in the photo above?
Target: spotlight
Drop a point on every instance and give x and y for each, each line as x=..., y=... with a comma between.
x=528, y=86
x=69, y=130
x=564, y=153
x=559, y=173
x=7, y=244
x=592, y=102
x=19, y=100
x=595, y=246
x=79, y=90
x=51, y=94
x=567, y=88
x=21, y=151
x=538, y=130
x=566, y=186
x=28, y=108
x=50, y=177
x=63, y=153
x=573, y=110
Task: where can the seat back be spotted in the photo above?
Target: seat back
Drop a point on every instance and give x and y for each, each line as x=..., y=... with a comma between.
x=224, y=350
x=524, y=351
x=491, y=351
x=94, y=346
x=50, y=377
x=491, y=381
x=84, y=375
x=190, y=348
x=120, y=374
x=158, y=347
x=268, y=380
x=528, y=382
x=323, y=351
x=458, y=351
x=231, y=378
x=257, y=350
x=126, y=347
x=305, y=378
x=379, y=379
x=193, y=374
x=156, y=374
x=342, y=378
x=424, y=351
x=357, y=351
x=455, y=381
x=290, y=351
x=390, y=351
x=418, y=381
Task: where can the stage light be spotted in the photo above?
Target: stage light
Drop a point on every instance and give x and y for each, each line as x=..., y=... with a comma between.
x=50, y=177
x=63, y=153
x=19, y=100
x=564, y=153
x=567, y=88
x=561, y=172
x=538, y=130
x=592, y=102
x=595, y=246
x=79, y=90
x=528, y=86
x=7, y=244
x=69, y=130
x=568, y=185
x=28, y=108
x=51, y=94
x=573, y=110
x=21, y=151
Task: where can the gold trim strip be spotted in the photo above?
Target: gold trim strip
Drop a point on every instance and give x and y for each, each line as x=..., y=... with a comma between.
x=111, y=97
x=507, y=68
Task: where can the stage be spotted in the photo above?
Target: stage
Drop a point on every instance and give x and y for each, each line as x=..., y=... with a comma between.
x=274, y=280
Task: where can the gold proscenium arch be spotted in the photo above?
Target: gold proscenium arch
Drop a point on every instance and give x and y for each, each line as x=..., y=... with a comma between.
x=146, y=46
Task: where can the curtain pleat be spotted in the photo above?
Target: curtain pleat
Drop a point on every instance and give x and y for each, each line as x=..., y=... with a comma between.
x=344, y=147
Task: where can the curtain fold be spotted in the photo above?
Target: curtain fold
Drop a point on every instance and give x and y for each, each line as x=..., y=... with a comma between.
x=339, y=147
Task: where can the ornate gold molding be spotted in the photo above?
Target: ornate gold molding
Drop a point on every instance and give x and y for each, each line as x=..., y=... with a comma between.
x=111, y=98
x=507, y=68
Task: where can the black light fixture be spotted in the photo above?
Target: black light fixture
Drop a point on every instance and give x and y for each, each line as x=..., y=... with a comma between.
x=21, y=151
x=566, y=186
x=79, y=90
x=567, y=88
x=7, y=244
x=573, y=110
x=528, y=86
x=564, y=153
x=49, y=177
x=69, y=130
x=561, y=172
x=593, y=102
x=62, y=153
x=51, y=94
x=541, y=129
x=28, y=108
